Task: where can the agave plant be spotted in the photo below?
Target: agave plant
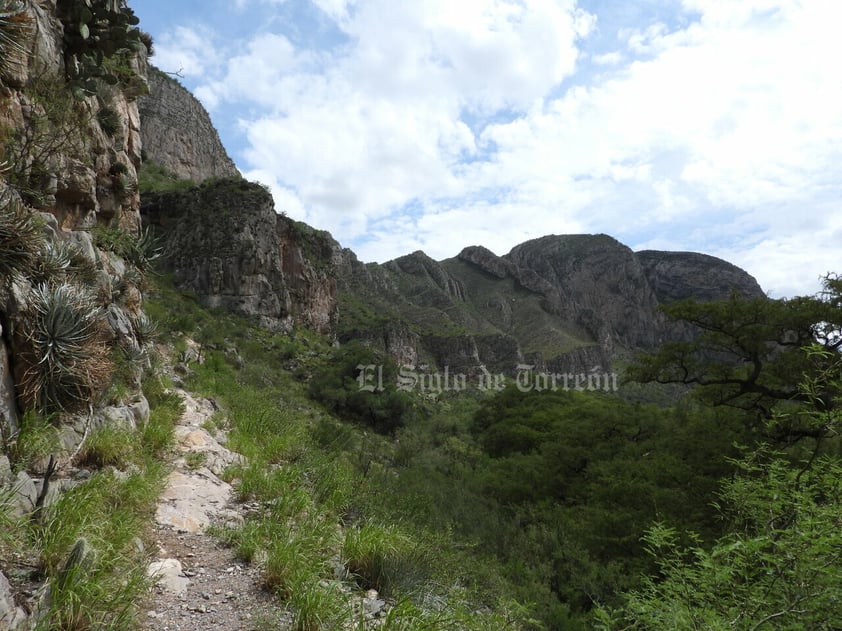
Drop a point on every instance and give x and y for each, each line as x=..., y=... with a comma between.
x=21, y=238
x=66, y=361
x=145, y=328
x=61, y=260
x=54, y=261
x=14, y=27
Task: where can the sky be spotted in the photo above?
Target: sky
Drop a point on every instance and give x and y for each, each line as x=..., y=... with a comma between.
x=710, y=126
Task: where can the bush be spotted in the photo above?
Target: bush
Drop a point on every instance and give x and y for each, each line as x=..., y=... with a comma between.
x=141, y=251
x=344, y=389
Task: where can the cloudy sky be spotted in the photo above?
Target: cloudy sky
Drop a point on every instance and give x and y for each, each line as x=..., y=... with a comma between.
x=398, y=125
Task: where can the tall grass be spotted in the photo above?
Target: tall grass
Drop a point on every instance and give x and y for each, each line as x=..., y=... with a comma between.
x=313, y=482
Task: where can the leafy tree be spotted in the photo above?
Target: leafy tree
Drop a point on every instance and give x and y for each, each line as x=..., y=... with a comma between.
x=581, y=476
x=748, y=353
x=780, y=564
x=359, y=385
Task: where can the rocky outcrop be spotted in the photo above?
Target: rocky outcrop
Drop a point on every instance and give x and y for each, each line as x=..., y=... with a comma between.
x=563, y=304
x=178, y=134
x=225, y=242
x=597, y=282
x=680, y=275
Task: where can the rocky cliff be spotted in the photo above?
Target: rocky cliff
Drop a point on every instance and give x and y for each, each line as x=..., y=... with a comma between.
x=71, y=274
x=568, y=303
x=680, y=275
x=225, y=242
x=178, y=134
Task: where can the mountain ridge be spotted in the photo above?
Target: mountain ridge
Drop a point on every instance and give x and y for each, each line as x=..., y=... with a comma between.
x=561, y=302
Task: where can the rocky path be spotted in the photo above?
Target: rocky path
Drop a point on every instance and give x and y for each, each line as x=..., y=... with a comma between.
x=200, y=583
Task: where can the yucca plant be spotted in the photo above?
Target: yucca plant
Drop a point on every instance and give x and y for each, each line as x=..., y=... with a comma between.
x=145, y=328
x=15, y=26
x=66, y=360
x=21, y=238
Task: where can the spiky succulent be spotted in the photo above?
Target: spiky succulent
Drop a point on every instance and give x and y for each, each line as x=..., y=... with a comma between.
x=21, y=237
x=61, y=260
x=145, y=328
x=15, y=25
x=66, y=360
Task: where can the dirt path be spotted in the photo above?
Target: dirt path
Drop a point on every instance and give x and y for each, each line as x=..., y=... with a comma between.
x=201, y=585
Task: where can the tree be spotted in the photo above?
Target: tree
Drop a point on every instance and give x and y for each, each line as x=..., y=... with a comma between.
x=748, y=352
x=779, y=565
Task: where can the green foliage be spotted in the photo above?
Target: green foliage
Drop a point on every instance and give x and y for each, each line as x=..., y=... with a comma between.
x=37, y=438
x=65, y=360
x=87, y=550
x=21, y=237
x=359, y=385
x=748, y=351
x=380, y=557
x=157, y=434
x=96, y=31
x=109, y=446
x=54, y=125
x=777, y=568
x=153, y=178
x=109, y=120
x=318, y=607
x=141, y=250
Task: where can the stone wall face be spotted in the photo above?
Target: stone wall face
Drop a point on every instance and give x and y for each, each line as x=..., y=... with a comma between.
x=226, y=243
x=178, y=134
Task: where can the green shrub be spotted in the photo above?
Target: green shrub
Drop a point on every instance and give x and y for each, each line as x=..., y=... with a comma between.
x=36, y=439
x=345, y=390
x=141, y=251
x=379, y=557
x=109, y=446
x=157, y=434
x=153, y=178
x=317, y=606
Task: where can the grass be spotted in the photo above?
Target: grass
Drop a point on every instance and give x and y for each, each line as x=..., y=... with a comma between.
x=84, y=544
x=153, y=178
x=379, y=557
x=314, y=481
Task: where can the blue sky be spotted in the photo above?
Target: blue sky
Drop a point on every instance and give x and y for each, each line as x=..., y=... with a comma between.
x=702, y=125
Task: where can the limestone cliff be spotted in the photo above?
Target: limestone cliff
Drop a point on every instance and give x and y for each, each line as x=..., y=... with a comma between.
x=225, y=242
x=70, y=297
x=178, y=134
x=679, y=275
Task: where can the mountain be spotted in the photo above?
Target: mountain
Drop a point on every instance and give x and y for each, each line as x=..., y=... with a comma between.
x=559, y=302
x=177, y=132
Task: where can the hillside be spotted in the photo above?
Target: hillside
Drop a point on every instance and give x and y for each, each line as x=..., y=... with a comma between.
x=204, y=424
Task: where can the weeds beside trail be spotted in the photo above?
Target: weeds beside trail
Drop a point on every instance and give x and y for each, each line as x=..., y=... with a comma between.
x=308, y=480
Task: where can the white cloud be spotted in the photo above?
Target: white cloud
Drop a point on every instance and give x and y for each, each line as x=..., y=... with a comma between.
x=188, y=51
x=437, y=125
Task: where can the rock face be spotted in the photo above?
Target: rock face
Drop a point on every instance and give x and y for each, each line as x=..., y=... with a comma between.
x=178, y=134
x=679, y=275
x=570, y=303
x=226, y=243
